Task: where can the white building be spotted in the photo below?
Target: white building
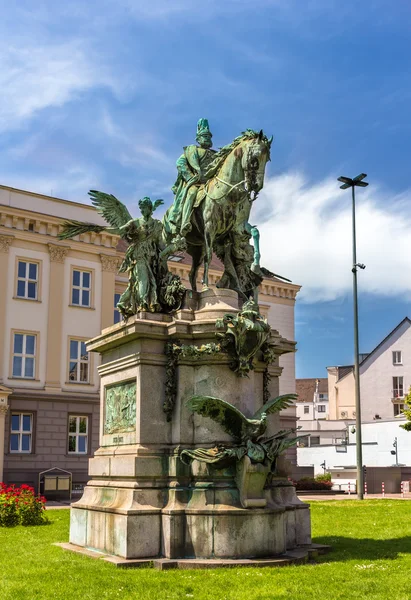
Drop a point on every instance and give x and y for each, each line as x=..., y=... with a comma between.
x=385, y=377
x=378, y=450
x=312, y=403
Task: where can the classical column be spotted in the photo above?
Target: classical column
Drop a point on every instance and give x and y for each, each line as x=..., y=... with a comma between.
x=4, y=394
x=55, y=315
x=109, y=268
x=5, y=243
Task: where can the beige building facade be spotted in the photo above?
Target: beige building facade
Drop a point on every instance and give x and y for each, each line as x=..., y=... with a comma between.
x=384, y=380
x=53, y=297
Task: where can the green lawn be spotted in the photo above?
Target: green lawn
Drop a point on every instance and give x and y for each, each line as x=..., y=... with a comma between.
x=371, y=559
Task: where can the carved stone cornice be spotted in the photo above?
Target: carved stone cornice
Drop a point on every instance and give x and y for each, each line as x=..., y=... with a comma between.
x=5, y=242
x=58, y=253
x=109, y=263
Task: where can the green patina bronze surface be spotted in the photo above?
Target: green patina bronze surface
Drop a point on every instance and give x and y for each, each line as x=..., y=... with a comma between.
x=214, y=192
x=243, y=335
x=151, y=287
x=248, y=434
x=120, y=408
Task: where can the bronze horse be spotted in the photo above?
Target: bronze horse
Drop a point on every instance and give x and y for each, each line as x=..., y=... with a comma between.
x=220, y=218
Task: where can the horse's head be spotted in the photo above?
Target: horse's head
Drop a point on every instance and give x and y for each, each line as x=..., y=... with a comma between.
x=255, y=155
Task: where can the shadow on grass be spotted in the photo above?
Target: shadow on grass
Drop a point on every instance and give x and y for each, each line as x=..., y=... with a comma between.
x=344, y=548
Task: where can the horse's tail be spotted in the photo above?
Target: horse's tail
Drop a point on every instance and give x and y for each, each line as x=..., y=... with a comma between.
x=167, y=229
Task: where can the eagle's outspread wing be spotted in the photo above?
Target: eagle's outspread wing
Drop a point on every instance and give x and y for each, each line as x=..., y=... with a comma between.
x=228, y=416
x=275, y=405
x=114, y=211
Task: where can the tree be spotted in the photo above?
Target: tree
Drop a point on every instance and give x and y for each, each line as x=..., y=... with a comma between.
x=407, y=411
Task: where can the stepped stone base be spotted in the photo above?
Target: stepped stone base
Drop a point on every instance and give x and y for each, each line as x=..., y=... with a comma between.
x=293, y=557
x=142, y=503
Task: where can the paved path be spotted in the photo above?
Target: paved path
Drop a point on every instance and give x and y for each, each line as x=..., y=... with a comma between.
x=310, y=498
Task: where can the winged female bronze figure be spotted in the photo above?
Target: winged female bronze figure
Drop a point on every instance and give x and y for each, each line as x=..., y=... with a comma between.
x=151, y=287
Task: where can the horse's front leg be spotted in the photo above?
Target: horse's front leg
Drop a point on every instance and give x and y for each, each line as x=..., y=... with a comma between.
x=207, y=257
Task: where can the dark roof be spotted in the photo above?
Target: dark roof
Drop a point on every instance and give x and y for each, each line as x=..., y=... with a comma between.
x=343, y=371
x=305, y=388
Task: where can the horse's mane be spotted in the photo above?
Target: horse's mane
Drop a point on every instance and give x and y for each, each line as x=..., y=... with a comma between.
x=223, y=152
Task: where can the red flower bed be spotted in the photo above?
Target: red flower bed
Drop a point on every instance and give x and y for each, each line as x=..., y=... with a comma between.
x=20, y=506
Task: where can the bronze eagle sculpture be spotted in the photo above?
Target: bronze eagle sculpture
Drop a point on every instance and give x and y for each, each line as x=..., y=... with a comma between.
x=232, y=419
x=247, y=433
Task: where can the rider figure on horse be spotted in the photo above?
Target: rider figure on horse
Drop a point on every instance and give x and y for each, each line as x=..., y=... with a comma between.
x=191, y=167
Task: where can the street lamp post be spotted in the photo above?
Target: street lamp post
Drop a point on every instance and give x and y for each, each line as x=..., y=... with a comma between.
x=395, y=444
x=353, y=183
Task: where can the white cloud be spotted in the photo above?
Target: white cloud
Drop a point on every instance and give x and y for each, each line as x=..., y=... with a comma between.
x=133, y=148
x=71, y=183
x=34, y=77
x=306, y=236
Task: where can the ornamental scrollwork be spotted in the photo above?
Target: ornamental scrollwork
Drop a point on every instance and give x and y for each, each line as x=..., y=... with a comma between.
x=173, y=351
x=58, y=253
x=5, y=242
x=243, y=335
x=110, y=264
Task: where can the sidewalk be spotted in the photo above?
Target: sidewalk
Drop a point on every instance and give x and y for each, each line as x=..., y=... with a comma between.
x=313, y=497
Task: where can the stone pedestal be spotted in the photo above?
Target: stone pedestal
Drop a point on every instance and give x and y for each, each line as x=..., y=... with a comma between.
x=141, y=500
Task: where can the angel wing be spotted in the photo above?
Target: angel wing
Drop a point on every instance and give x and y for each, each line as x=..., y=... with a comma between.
x=157, y=203
x=224, y=413
x=109, y=207
x=73, y=228
x=276, y=404
x=114, y=211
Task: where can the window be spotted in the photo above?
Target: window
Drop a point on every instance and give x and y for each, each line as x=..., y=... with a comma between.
x=398, y=387
x=323, y=396
x=79, y=362
x=397, y=357
x=24, y=355
x=306, y=410
x=314, y=440
x=21, y=432
x=77, y=435
x=321, y=408
x=398, y=409
x=27, y=280
x=81, y=288
x=117, y=314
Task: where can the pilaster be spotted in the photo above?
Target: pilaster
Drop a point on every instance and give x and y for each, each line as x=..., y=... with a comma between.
x=55, y=314
x=5, y=243
x=4, y=394
x=109, y=268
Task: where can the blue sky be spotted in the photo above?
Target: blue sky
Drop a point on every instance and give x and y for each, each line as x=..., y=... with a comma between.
x=105, y=95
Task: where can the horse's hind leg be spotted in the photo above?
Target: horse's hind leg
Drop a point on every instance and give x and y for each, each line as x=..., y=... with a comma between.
x=196, y=253
x=207, y=258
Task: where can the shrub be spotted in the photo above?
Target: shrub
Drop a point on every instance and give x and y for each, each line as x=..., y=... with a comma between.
x=20, y=506
x=308, y=483
x=323, y=477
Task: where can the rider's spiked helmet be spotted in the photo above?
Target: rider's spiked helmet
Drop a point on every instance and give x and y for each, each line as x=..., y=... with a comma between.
x=203, y=129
